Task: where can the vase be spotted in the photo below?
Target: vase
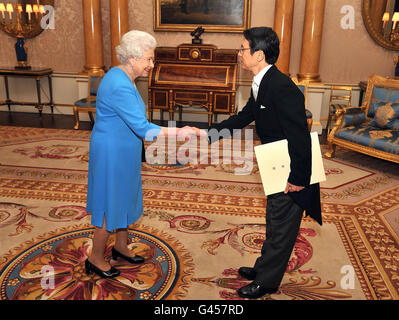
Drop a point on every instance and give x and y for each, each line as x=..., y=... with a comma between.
x=22, y=54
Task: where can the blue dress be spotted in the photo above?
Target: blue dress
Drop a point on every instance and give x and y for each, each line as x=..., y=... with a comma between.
x=114, y=180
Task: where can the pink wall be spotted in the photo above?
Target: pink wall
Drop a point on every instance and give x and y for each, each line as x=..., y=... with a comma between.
x=346, y=56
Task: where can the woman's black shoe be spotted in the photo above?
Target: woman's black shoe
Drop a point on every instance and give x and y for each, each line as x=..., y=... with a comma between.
x=135, y=260
x=111, y=273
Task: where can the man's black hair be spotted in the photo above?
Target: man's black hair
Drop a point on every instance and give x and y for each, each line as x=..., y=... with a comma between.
x=265, y=39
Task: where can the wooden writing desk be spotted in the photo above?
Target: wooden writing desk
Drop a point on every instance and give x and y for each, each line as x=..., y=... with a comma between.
x=194, y=79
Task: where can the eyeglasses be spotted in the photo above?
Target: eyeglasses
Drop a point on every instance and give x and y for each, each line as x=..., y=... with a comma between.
x=242, y=49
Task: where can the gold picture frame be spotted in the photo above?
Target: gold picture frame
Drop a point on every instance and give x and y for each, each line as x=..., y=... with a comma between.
x=375, y=26
x=213, y=15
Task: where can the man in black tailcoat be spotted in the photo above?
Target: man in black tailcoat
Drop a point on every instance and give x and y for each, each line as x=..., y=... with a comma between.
x=277, y=107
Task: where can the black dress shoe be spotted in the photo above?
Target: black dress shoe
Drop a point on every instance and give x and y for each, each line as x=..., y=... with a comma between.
x=247, y=273
x=254, y=291
x=135, y=260
x=111, y=273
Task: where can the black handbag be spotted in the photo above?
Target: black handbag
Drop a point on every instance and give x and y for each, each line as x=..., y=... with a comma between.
x=142, y=152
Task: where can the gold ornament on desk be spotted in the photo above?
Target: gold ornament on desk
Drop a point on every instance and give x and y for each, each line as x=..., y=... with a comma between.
x=23, y=21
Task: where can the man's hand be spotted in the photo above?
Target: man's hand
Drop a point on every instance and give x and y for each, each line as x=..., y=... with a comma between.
x=292, y=188
x=198, y=132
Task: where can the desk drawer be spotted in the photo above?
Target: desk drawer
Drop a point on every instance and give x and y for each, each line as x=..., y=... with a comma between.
x=160, y=99
x=191, y=96
x=221, y=102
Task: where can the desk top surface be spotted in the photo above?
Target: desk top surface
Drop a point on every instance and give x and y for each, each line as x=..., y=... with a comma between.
x=10, y=71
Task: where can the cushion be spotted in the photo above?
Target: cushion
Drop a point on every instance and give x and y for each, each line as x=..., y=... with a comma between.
x=381, y=96
x=386, y=116
x=354, y=119
x=85, y=103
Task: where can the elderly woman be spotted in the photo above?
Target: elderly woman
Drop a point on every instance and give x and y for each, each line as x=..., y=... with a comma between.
x=114, y=195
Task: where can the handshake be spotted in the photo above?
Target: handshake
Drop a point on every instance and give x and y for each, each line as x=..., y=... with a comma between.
x=201, y=146
x=186, y=131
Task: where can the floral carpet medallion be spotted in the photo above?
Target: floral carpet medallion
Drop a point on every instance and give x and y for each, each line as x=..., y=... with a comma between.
x=52, y=267
x=200, y=223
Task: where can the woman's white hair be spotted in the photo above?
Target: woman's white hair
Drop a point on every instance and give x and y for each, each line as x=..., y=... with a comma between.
x=133, y=44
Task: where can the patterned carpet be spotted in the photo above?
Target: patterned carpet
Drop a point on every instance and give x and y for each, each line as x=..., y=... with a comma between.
x=200, y=224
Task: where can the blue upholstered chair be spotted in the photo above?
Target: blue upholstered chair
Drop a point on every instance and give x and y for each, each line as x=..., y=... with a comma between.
x=372, y=128
x=88, y=104
x=304, y=89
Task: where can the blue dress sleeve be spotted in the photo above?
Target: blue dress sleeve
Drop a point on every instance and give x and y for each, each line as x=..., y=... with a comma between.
x=131, y=109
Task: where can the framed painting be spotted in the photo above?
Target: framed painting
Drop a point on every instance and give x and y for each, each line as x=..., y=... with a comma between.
x=212, y=15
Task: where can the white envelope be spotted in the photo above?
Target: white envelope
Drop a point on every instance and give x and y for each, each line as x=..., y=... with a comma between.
x=274, y=164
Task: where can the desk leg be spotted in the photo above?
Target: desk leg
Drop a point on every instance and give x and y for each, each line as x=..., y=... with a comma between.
x=149, y=105
x=171, y=115
x=50, y=86
x=39, y=100
x=180, y=113
x=171, y=106
x=8, y=101
x=210, y=108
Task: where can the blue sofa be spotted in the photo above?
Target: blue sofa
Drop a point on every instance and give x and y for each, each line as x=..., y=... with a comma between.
x=372, y=128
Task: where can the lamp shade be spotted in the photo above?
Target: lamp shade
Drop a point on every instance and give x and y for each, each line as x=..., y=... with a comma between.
x=385, y=17
x=29, y=8
x=10, y=8
x=395, y=19
x=2, y=7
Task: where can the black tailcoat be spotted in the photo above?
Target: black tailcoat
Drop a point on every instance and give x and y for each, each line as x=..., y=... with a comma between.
x=279, y=113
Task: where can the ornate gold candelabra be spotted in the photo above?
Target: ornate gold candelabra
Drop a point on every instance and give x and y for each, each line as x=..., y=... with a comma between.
x=21, y=21
x=394, y=36
x=391, y=33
